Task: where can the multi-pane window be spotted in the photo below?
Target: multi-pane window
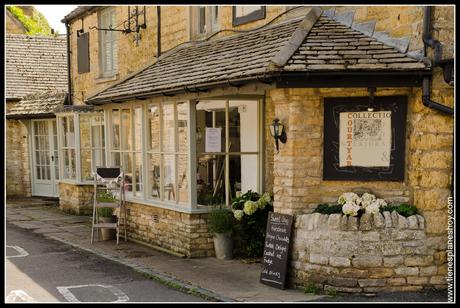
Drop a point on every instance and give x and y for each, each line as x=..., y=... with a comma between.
x=126, y=146
x=92, y=144
x=108, y=42
x=68, y=147
x=246, y=13
x=205, y=20
x=227, y=148
x=167, y=152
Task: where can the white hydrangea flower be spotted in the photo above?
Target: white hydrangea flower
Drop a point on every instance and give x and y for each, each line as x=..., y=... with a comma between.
x=373, y=208
x=380, y=202
x=250, y=207
x=367, y=199
x=350, y=208
x=349, y=197
x=238, y=214
x=266, y=197
x=264, y=200
x=261, y=203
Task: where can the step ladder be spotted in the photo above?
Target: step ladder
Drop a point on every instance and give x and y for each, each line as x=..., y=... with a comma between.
x=111, y=182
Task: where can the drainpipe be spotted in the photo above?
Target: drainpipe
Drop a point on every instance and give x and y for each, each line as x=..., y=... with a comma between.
x=69, y=77
x=158, y=31
x=436, y=45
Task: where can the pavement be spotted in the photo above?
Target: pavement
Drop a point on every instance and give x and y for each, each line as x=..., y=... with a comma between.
x=210, y=278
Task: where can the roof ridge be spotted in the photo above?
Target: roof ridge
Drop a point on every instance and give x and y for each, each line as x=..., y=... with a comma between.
x=296, y=39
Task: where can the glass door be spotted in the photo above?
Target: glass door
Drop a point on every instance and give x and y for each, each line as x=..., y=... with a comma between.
x=45, y=158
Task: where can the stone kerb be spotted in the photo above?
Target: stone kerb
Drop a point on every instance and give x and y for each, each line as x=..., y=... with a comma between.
x=382, y=252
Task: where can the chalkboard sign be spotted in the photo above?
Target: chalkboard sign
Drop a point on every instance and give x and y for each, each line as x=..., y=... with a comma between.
x=276, y=250
x=333, y=107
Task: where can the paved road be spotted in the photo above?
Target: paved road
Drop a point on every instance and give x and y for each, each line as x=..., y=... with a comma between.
x=43, y=270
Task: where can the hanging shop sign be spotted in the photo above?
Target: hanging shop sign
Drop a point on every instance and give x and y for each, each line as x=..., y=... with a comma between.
x=276, y=250
x=362, y=143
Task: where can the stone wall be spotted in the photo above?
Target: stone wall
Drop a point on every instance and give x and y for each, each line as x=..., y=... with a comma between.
x=76, y=199
x=18, y=177
x=374, y=253
x=183, y=233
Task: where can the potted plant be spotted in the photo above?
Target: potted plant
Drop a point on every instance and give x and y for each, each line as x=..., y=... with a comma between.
x=105, y=215
x=221, y=223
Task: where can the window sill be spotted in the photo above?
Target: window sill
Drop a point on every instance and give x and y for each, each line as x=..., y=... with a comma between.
x=103, y=79
x=168, y=206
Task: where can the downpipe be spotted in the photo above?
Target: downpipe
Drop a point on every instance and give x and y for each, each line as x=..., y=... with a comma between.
x=69, y=77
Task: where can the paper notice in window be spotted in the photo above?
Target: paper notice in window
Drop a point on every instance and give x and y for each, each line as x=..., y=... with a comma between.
x=213, y=139
x=365, y=139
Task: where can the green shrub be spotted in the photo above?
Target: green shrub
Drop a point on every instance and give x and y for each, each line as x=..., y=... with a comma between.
x=221, y=220
x=35, y=24
x=105, y=197
x=311, y=288
x=328, y=209
x=105, y=211
x=403, y=209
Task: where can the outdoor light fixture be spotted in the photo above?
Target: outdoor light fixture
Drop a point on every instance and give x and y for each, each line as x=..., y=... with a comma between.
x=371, y=99
x=277, y=131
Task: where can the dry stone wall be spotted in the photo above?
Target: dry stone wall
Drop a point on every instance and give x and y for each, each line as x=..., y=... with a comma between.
x=18, y=180
x=76, y=199
x=373, y=253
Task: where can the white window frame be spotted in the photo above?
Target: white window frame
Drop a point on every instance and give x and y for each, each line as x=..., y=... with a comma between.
x=62, y=149
x=112, y=40
x=92, y=148
x=211, y=22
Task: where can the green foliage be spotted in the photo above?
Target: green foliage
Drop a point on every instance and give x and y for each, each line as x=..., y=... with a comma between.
x=403, y=209
x=221, y=220
x=105, y=197
x=250, y=231
x=328, y=209
x=206, y=197
x=332, y=292
x=35, y=24
x=105, y=212
x=311, y=288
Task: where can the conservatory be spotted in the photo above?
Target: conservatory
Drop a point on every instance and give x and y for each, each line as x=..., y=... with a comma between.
x=178, y=155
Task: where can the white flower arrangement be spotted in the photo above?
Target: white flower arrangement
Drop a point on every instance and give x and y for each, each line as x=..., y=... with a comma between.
x=238, y=214
x=250, y=207
x=352, y=203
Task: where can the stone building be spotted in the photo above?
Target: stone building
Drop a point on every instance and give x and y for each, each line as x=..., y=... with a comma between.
x=36, y=83
x=182, y=97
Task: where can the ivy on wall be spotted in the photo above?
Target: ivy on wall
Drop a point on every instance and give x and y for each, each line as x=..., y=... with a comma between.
x=35, y=24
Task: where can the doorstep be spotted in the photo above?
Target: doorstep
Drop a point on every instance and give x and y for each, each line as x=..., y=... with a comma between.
x=211, y=278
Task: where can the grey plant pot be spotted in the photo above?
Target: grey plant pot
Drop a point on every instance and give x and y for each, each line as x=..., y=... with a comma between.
x=108, y=234
x=223, y=246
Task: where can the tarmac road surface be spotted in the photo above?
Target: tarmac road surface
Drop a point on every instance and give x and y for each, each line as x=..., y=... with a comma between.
x=44, y=270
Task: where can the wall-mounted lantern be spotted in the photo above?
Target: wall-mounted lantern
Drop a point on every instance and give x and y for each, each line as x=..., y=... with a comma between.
x=277, y=132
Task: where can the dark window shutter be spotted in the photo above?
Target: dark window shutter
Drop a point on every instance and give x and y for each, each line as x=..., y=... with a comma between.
x=83, y=53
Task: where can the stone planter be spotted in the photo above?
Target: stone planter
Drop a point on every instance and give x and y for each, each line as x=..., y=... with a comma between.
x=223, y=246
x=108, y=234
x=374, y=253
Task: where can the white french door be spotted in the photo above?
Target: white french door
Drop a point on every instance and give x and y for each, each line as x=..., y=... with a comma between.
x=45, y=163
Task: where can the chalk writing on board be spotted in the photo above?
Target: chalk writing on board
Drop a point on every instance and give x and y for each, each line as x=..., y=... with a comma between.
x=276, y=250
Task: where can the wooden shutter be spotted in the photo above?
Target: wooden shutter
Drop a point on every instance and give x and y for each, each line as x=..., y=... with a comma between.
x=83, y=53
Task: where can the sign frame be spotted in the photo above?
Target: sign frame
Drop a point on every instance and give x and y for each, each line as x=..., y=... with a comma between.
x=332, y=109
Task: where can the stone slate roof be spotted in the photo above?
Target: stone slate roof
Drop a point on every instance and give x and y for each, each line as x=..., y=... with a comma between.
x=34, y=63
x=38, y=104
x=329, y=46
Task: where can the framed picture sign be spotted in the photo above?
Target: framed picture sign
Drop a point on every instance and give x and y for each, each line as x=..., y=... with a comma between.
x=364, y=144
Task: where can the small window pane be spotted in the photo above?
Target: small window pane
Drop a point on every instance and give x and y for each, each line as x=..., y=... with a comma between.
x=138, y=129
x=182, y=171
x=154, y=191
x=154, y=127
x=138, y=174
x=169, y=177
x=168, y=128
x=116, y=159
x=116, y=129
x=244, y=174
x=85, y=138
x=126, y=129
x=182, y=127
x=210, y=179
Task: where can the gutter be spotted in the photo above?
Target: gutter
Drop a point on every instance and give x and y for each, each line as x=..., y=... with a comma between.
x=69, y=76
x=428, y=40
x=158, y=31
